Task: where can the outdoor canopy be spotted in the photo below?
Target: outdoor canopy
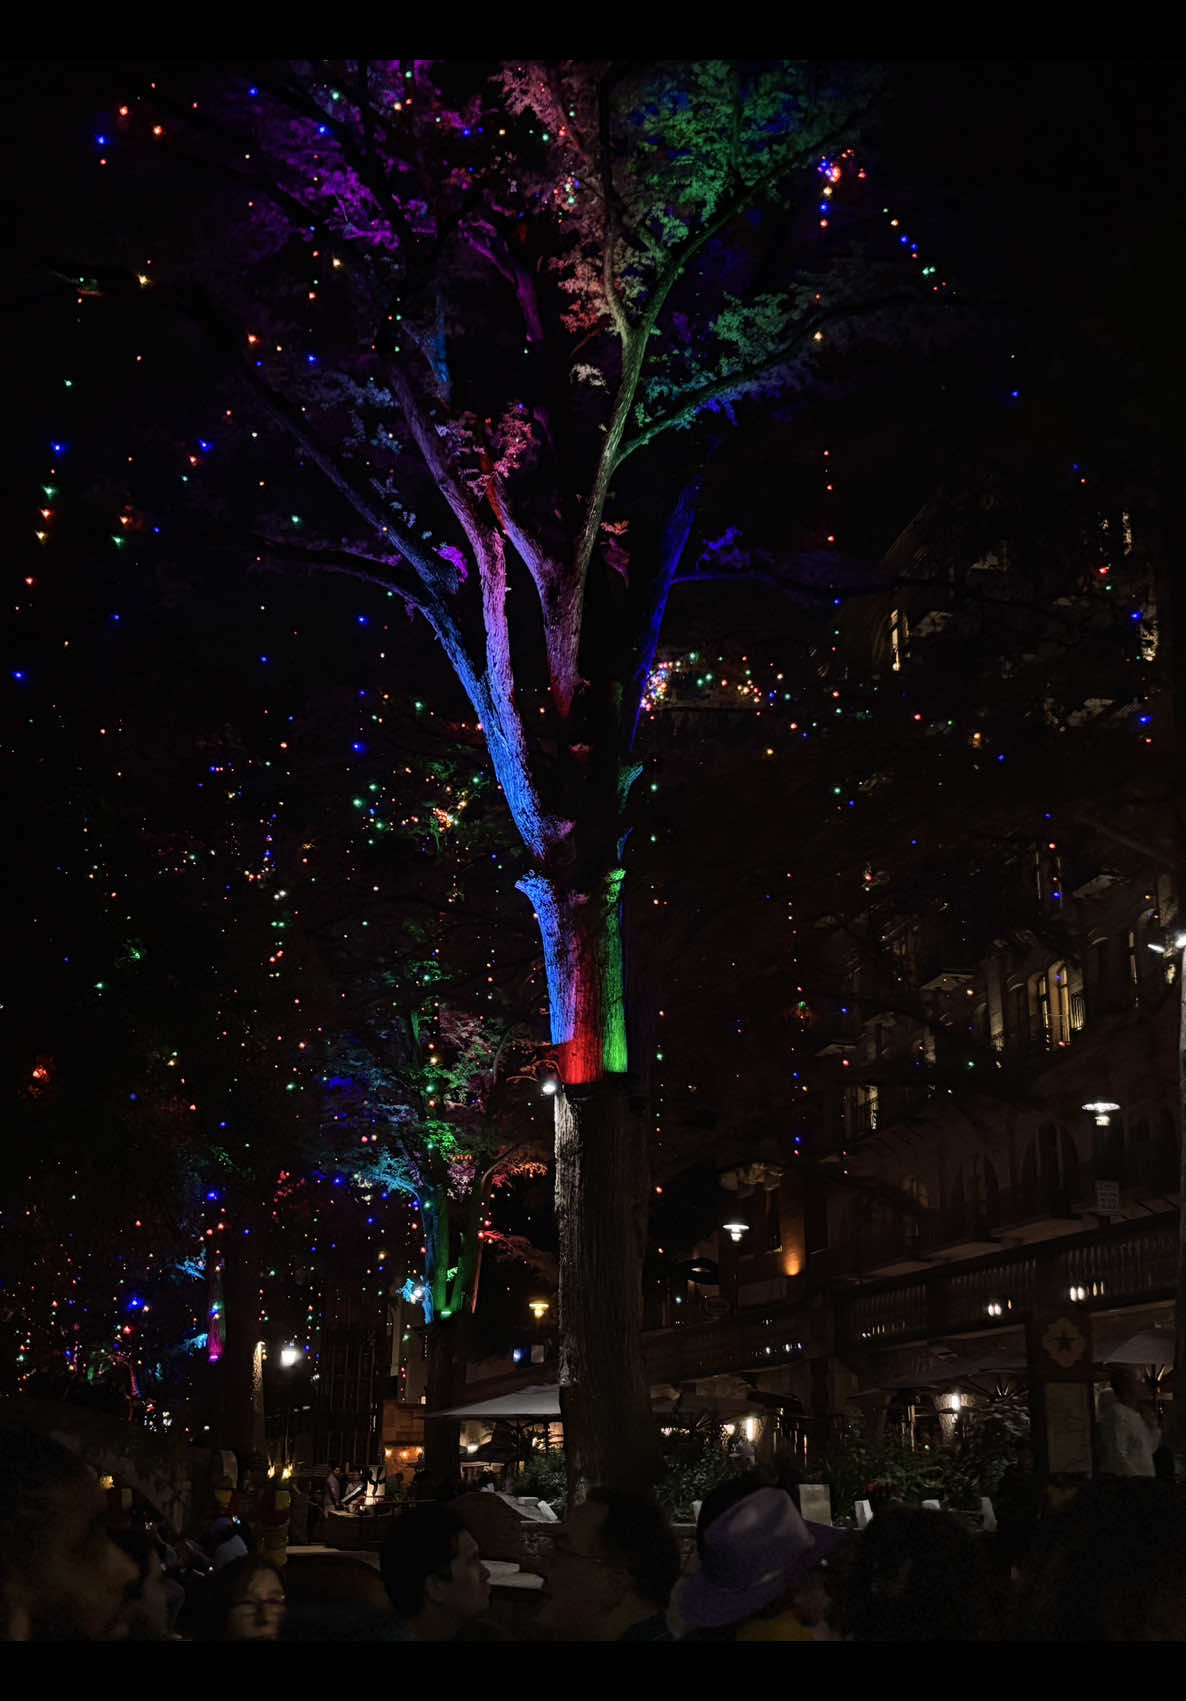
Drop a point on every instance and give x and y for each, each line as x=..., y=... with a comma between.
x=542, y=1405
x=1149, y=1346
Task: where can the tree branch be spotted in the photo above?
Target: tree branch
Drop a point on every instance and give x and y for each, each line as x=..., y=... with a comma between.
x=351, y=563
x=610, y=202
x=441, y=470
x=732, y=383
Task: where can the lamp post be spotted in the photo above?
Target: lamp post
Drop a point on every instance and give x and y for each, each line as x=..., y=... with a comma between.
x=290, y=1356
x=1175, y=948
x=735, y=1228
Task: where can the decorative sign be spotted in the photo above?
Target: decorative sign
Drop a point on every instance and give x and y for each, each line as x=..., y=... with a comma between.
x=1068, y=1429
x=815, y=1502
x=717, y=1306
x=1064, y=1342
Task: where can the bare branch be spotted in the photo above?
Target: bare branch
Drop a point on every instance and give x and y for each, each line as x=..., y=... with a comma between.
x=388, y=573
x=444, y=473
x=732, y=383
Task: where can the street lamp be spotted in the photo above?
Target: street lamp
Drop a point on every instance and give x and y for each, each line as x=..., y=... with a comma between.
x=1177, y=1426
x=735, y=1228
x=1102, y=1110
x=537, y=1307
x=290, y=1356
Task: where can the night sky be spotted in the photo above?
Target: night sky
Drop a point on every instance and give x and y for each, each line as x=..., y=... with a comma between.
x=1048, y=193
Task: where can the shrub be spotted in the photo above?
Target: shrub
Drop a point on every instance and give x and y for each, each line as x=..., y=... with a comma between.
x=987, y=1443
x=545, y=1475
x=691, y=1472
x=856, y=1468
x=691, y=1475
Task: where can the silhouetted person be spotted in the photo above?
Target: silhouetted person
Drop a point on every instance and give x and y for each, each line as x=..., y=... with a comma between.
x=1111, y=1567
x=611, y=1571
x=62, y=1579
x=434, y=1574
x=919, y=1576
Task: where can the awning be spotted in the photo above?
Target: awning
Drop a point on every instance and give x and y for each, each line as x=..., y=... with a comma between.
x=1149, y=1346
x=541, y=1405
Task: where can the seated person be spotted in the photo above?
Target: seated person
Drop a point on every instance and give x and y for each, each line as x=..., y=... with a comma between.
x=612, y=1570
x=434, y=1574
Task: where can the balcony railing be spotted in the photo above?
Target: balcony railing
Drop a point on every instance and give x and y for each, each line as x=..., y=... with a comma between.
x=932, y=1233
x=1121, y=1264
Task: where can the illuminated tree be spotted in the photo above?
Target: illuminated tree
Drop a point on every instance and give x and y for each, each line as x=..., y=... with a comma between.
x=506, y=313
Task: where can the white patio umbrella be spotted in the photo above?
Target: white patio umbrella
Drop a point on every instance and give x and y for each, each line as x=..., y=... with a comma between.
x=542, y=1404
x=527, y=1404
x=1148, y=1346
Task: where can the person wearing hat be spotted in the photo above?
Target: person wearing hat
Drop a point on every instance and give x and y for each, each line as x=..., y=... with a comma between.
x=758, y=1556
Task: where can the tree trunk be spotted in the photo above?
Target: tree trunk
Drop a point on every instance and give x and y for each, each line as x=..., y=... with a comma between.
x=581, y=932
x=242, y=1414
x=609, y=1433
x=448, y=1361
x=601, y=1181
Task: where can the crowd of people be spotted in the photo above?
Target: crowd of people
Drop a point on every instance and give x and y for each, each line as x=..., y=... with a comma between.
x=1104, y=1563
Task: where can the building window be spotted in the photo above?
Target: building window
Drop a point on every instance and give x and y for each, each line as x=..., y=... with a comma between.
x=899, y=636
x=1099, y=950
x=1044, y=1019
x=1018, y=1014
x=1060, y=1004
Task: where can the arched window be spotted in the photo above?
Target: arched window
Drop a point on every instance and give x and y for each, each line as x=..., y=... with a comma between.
x=976, y=1195
x=899, y=637
x=1017, y=1014
x=1049, y=1172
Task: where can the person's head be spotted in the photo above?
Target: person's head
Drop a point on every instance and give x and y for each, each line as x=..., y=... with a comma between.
x=146, y=1605
x=63, y=1579
x=756, y=1554
x=614, y=1564
x=245, y=1603
x=919, y=1576
x=1110, y=1567
x=433, y=1571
